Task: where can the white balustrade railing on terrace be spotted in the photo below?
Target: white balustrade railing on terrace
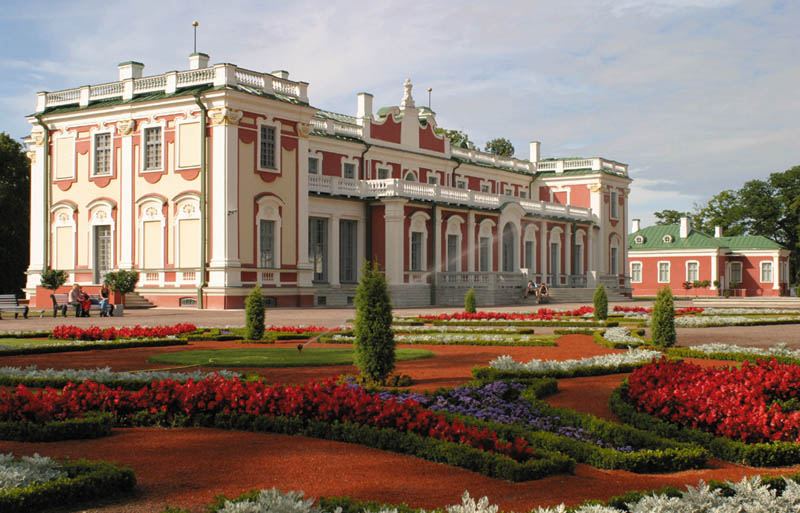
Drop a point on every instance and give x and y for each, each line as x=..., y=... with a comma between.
x=430, y=192
x=218, y=75
x=559, y=166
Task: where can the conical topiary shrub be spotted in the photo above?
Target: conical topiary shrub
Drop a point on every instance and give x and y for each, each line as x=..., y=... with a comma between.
x=254, y=307
x=600, y=302
x=469, y=301
x=374, y=339
x=663, y=321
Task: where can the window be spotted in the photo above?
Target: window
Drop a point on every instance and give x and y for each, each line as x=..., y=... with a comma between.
x=508, y=191
x=614, y=263
x=348, y=245
x=349, y=170
x=636, y=272
x=614, y=201
x=736, y=272
x=461, y=184
x=638, y=239
x=266, y=147
x=509, y=245
x=410, y=177
x=692, y=271
x=663, y=272
x=486, y=188
x=318, y=247
x=313, y=165
x=452, y=253
x=383, y=173
x=416, y=251
x=433, y=179
x=152, y=148
x=266, y=250
x=529, y=254
x=667, y=238
x=766, y=272
x=577, y=267
x=483, y=255
x=102, y=154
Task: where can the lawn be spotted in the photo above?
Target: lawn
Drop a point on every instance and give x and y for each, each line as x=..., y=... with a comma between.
x=274, y=357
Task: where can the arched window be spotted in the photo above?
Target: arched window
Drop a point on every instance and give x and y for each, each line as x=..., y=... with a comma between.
x=152, y=224
x=509, y=246
x=453, y=248
x=102, y=225
x=555, y=256
x=187, y=237
x=410, y=177
x=63, y=236
x=578, y=256
x=418, y=242
x=530, y=248
x=485, y=244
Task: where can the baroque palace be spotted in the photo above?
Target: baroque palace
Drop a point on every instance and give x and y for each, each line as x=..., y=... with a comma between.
x=212, y=180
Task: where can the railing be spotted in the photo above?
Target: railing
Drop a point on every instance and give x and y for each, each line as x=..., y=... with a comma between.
x=195, y=77
x=105, y=91
x=337, y=127
x=479, y=280
x=577, y=281
x=146, y=85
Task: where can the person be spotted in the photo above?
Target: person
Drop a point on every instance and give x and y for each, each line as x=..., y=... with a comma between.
x=86, y=302
x=75, y=299
x=531, y=289
x=106, y=309
x=543, y=294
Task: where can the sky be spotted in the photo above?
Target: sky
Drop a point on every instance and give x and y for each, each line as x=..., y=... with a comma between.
x=696, y=96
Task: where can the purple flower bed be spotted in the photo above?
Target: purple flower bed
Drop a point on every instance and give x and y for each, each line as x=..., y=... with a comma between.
x=502, y=402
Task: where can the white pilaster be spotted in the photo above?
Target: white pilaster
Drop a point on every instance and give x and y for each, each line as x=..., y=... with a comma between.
x=305, y=274
x=568, y=252
x=437, y=242
x=394, y=218
x=775, y=273
x=543, y=249
x=333, y=256
x=223, y=215
x=471, y=242
x=37, y=215
x=126, y=204
x=714, y=269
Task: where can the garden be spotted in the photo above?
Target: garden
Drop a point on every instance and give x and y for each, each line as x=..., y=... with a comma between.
x=595, y=408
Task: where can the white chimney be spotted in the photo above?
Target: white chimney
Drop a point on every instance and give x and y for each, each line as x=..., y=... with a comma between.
x=717, y=232
x=535, y=145
x=685, y=224
x=282, y=73
x=364, y=106
x=130, y=69
x=635, y=227
x=198, y=61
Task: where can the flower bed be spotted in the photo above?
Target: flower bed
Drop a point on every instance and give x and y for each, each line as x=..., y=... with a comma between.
x=446, y=338
x=87, y=345
x=619, y=337
x=543, y=314
x=96, y=333
x=483, y=330
x=707, y=321
x=780, y=352
x=28, y=470
x=611, y=362
x=756, y=403
x=642, y=310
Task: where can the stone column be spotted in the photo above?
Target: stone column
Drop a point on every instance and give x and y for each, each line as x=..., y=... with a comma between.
x=776, y=284
x=126, y=204
x=394, y=232
x=437, y=239
x=714, y=269
x=305, y=273
x=37, y=257
x=471, y=242
x=568, y=253
x=543, y=249
x=333, y=255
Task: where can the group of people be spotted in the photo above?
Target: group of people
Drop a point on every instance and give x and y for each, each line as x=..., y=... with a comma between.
x=83, y=302
x=539, y=291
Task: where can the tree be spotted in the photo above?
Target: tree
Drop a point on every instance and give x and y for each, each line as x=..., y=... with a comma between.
x=663, y=323
x=254, y=307
x=500, y=146
x=722, y=210
x=469, y=301
x=122, y=282
x=459, y=138
x=668, y=217
x=52, y=278
x=600, y=301
x=374, y=339
x=15, y=195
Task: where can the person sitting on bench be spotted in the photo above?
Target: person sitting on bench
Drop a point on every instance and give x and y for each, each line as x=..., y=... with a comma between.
x=106, y=309
x=531, y=289
x=75, y=299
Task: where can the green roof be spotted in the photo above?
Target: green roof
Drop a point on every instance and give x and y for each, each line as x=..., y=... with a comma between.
x=342, y=118
x=654, y=240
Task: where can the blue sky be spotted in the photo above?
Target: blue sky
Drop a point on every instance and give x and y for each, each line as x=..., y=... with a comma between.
x=696, y=96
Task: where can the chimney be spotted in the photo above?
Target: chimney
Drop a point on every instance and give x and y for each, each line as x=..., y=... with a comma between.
x=635, y=226
x=717, y=232
x=130, y=69
x=364, y=106
x=534, y=151
x=281, y=73
x=198, y=60
x=685, y=225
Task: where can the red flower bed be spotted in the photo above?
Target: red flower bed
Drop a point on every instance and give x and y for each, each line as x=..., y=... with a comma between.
x=543, y=314
x=744, y=404
x=326, y=402
x=640, y=309
x=97, y=333
x=301, y=329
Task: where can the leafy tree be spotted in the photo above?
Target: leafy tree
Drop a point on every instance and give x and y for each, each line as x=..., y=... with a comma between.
x=663, y=323
x=254, y=307
x=15, y=194
x=469, y=301
x=600, y=301
x=374, y=340
x=459, y=138
x=53, y=278
x=122, y=281
x=500, y=146
x=668, y=217
x=722, y=210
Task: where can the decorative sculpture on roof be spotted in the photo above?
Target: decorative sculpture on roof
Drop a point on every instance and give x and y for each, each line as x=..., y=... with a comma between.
x=408, y=100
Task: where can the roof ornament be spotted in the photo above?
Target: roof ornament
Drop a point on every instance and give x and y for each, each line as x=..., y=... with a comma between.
x=408, y=100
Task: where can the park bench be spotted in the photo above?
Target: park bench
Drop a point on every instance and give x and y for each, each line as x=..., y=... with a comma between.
x=9, y=303
x=61, y=302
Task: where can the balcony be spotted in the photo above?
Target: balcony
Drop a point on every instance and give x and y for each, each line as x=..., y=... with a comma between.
x=395, y=188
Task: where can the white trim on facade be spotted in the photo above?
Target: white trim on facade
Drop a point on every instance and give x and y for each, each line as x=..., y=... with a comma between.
x=668, y=271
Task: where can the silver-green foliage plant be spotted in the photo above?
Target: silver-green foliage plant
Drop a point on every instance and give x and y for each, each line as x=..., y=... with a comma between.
x=18, y=473
x=663, y=321
x=600, y=301
x=507, y=363
x=374, y=339
x=105, y=374
x=273, y=501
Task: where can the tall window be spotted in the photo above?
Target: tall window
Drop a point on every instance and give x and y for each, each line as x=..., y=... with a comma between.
x=453, y=253
x=483, y=254
x=736, y=272
x=663, y=272
x=383, y=173
x=433, y=179
x=577, y=268
x=318, y=247
x=692, y=271
x=766, y=272
x=266, y=250
x=486, y=188
x=313, y=165
x=152, y=148
x=267, y=147
x=613, y=266
x=636, y=272
x=349, y=170
x=614, y=201
x=461, y=184
x=410, y=177
x=508, y=248
x=529, y=254
x=348, y=246
x=102, y=154
x=416, y=251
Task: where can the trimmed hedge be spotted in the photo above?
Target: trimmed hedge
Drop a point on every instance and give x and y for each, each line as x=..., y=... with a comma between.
x=544, y=341
x=563, y=324
x=25, y=334
x=102, y=345
x=93, y=425
x=516, y=331
x=62, y=382
x=773, y=454
x=86, y=480
x=688, y=352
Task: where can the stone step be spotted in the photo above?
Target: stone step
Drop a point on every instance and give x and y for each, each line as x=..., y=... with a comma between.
x=133, y=301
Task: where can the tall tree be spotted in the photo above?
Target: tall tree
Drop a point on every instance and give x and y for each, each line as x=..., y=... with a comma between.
x=667, y=217
x=724, y=210
x=459, y=138
x=15, y=194
x=500, y=146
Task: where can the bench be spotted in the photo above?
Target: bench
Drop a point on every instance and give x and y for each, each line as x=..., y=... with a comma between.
x=9, y=303
x=61, y=302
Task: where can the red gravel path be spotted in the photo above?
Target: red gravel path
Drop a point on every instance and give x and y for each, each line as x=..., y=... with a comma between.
x=188, y=467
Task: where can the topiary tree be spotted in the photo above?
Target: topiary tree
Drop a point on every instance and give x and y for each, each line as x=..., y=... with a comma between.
x=374, y=339
x=254, y=307
x=122, y=282
x=600, y=301
x=469, y=301
x=53, y=278
x=663, y=323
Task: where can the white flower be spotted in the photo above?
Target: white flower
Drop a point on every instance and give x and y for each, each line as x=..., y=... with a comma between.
x=632, y=356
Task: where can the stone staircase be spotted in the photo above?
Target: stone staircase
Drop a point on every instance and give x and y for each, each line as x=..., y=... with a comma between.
x=564, y=295
x=134, y=301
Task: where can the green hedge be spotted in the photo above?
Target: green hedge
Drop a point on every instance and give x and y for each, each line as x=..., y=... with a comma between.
x=563, y=324
x=488, y=374
x=86, y=480
x=544, y=341
x=62, y=382
x=773, y=454
x=104, y=344
x=25, y=334
x=449, y=453
x=688, y=352
x=93, y=425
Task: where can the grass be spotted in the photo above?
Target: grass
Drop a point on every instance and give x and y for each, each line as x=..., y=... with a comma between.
x=23, y=342
x=274, y=357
